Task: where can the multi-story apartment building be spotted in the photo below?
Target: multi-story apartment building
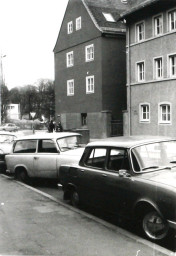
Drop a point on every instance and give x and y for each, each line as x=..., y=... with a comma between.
x=151, y=67
x=90, y=69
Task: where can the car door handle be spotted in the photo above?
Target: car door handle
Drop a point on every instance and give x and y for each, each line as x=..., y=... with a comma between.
x=104, y=175
x=35, y=157
x=82, y=170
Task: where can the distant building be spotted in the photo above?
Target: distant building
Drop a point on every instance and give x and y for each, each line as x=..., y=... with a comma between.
x=90, y=66
x=151, y=67
x=13, y=111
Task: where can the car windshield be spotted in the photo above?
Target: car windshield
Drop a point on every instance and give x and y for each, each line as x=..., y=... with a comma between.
x=6, y=138
x=68, y=143
x=154, y=156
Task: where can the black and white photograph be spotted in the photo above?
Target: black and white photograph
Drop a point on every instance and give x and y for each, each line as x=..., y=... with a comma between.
x=88, y=127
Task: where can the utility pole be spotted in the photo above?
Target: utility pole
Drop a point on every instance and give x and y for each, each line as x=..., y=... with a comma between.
x=1, y=83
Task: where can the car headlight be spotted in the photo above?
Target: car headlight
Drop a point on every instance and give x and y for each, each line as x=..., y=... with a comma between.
x=1, y=151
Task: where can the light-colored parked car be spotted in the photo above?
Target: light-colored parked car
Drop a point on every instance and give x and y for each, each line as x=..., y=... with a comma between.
x=10, y=127
x=131, y=177
x=6, y=143
x=40, y=155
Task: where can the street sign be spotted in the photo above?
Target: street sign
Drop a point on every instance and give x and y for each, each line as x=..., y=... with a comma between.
x=32, y=114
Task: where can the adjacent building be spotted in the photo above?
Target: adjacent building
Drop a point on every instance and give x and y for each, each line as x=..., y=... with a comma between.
x=90, y=66
x=151, y=67
x=13, y=112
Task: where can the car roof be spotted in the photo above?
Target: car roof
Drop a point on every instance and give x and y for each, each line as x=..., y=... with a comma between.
x=128, y=141
x=48, y=135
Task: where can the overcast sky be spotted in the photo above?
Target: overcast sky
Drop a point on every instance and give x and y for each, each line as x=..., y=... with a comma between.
x=28, y=33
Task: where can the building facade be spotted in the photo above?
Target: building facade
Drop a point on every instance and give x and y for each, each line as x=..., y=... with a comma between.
x=13, y=111
x=151, y=67
x=90, y=69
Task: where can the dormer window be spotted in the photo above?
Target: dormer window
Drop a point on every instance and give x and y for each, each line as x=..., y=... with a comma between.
x=108, y=17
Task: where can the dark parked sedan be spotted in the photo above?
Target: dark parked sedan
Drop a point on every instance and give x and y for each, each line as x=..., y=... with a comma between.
x=132, y=177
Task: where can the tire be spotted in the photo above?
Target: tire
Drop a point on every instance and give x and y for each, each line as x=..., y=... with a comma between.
x=154, y=226
x=22, y=176
x=74, y=198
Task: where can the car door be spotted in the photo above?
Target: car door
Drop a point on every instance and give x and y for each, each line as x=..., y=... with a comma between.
x=23, y=155
x=89, y=177
x=45, y=159
x=117, y=188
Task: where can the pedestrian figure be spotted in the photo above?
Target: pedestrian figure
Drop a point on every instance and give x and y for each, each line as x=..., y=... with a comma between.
x=59, y=127
x=51, y=126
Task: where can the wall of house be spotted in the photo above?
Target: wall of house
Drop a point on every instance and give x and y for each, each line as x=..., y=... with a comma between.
x=80, y=101
x=154, y=94
x=75, y=9
x=108, y=92
x=152, y=91
x=98, y=123
x=114, y=75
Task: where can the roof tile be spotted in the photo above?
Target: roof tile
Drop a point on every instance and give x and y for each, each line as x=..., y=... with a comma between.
x=114, y=7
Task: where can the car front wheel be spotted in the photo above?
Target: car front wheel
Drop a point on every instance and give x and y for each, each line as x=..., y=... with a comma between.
x=154, y=226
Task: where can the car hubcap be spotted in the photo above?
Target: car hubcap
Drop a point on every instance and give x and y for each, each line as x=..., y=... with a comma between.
x=154, y=226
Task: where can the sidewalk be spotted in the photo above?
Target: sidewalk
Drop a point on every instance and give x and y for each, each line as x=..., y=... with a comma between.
x=32, y=224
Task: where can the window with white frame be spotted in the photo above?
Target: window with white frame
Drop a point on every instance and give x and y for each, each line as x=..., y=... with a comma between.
x=70, y=59
x=70, y=27
x=172, y=65
x=158, y=68
x=78, y=23
x=165, y=113
x=70, y=87
x=89, y=52
x=158, y=25
x=140, y=32
x=172, y=20
x=90, y=84
x=144, y=112
x=108, y=17
x=140, y=71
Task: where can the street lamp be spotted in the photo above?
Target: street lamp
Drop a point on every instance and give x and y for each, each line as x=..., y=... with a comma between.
x=1, y=82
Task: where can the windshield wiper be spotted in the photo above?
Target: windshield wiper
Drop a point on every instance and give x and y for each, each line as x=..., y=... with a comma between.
x=150, y=167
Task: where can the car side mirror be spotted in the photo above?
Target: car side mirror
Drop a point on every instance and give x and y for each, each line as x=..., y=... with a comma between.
x=123, y=173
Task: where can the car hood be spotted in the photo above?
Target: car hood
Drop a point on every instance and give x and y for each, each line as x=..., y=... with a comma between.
x=74, y=152
x=6, y=147
x=166, y=177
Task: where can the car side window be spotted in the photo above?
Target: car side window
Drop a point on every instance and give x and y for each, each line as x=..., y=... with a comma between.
x=96, y=158
x=47, y=146
x=25, y=146
x=118, y=159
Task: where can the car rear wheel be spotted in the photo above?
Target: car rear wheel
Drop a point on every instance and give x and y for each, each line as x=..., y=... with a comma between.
x=74, y=198
x=22, y=176
x=154, y=226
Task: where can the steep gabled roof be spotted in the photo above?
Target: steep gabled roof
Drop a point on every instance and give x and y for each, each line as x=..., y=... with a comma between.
x=137, y=5
x=96, y=8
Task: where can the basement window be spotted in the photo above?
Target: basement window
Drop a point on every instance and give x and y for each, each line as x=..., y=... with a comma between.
x=108, y=17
